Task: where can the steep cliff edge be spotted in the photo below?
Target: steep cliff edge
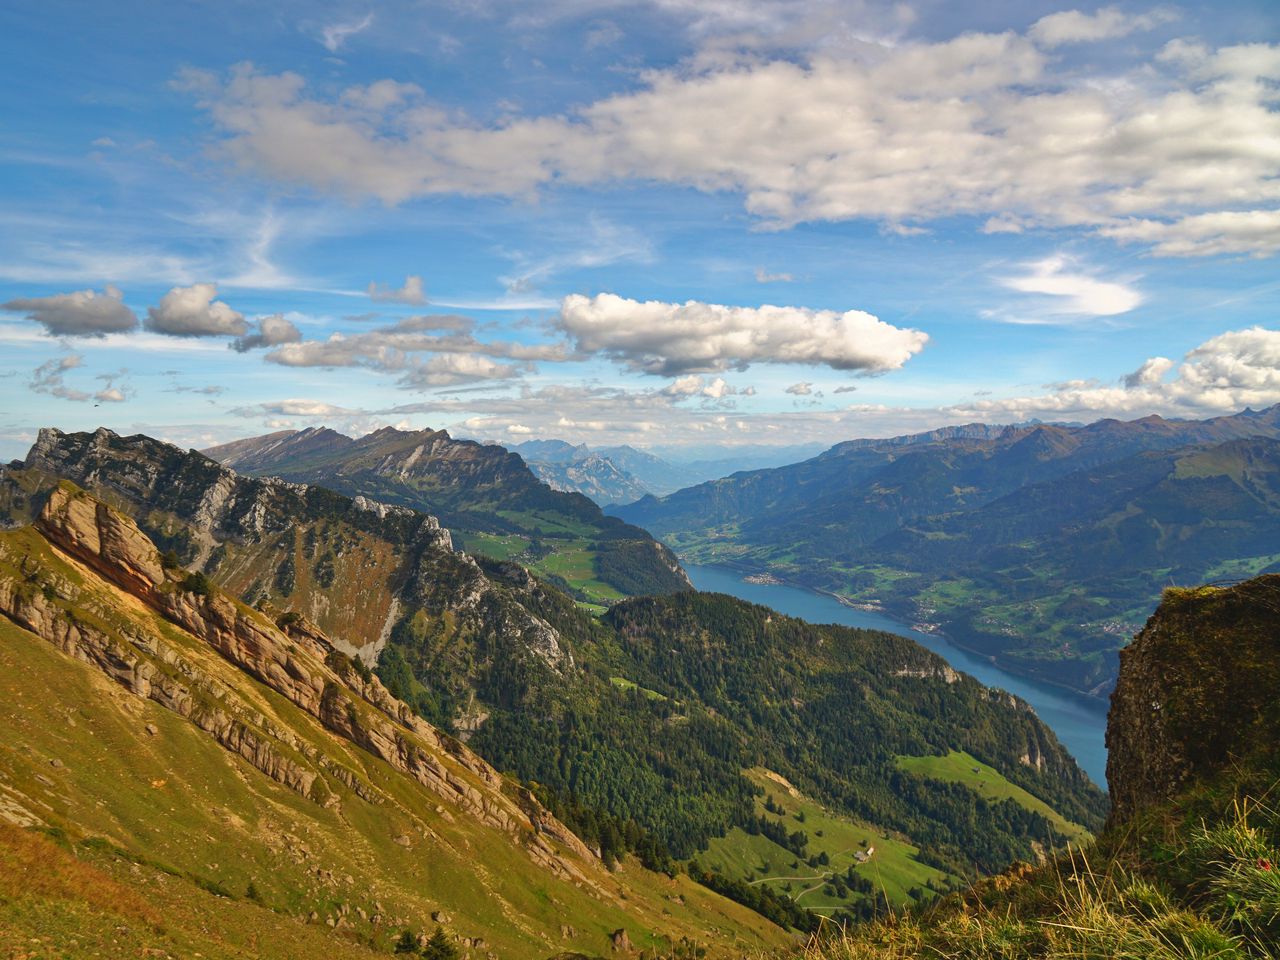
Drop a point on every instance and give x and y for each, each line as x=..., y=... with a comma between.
x=1199, y=691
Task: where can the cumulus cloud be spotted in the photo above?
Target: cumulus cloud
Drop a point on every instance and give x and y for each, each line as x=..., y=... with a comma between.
x=694, y=385
x=1149, y=374
x=1222, y=375
x=193, y=312
x=802, y=389
x=411, y=293
x=675, y=338
x=1240, y=368
x=1071, y=291
x=981, y=125
x=83, y=313
x=1106, y=23
x=272, y=331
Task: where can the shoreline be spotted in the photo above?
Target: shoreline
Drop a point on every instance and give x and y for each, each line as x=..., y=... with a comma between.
x=1089, y=699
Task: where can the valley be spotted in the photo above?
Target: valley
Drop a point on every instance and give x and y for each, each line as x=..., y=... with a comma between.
x=1044, y=547
x=634, y=728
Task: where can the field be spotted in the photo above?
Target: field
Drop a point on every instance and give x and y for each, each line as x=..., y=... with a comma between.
x=891, y=868
x=959, y=767
x=561, y=553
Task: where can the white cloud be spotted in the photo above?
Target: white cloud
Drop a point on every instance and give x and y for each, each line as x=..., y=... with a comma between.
x=1224, y=374
x=980, y=125
x=193, y=312
x=335, y=35
x=1255, y=232
x=674, y=338
x=49, y=378
x=110, y=395
x=1071, y=291
x=448, y=369
x=764, y=276
x=802, y=389
x=295, y=408
x=83, y=313
x=273, y=330
x=1106, y=23
x=411, y=293
x=1149, y=374
x=693, y=385
x=428, y=351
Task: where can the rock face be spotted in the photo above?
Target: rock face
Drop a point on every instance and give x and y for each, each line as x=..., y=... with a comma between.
x=303, y=667
x=383, y=562
x=476, y=488
x=1197, y=688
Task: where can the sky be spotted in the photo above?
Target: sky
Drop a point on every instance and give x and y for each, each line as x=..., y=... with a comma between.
x=674, y=223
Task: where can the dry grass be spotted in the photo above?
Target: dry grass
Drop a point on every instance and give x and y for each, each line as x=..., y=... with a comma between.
x=33, y=866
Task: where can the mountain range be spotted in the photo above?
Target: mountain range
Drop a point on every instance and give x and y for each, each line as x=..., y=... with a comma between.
x=504, y=760
x=622, y=474
x=1042, y=546
x=486, y=495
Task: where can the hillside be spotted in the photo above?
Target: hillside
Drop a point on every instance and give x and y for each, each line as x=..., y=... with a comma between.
x=1042, y=546
x=636, y=728
x=199, y=779
x=486, y=495
x=1187, y=866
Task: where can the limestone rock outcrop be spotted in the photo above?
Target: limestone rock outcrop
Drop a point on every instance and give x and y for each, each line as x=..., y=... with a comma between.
x=303, y=667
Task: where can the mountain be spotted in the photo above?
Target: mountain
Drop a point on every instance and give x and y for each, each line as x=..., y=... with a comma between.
x=203, y=780
x=1187, y=866
x=1040, y=545
x=486, y=495
x=622, y=474
x=643, y=731
x=549, y=451
x=666, y=474
x=592, y=476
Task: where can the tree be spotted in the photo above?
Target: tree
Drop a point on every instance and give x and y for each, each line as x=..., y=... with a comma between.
x=440, y=947
x=408, y=942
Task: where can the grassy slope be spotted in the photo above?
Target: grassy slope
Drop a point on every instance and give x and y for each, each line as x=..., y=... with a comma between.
x=959, y=767
x=200, y=818
x=1189, y=865
x=892, y=868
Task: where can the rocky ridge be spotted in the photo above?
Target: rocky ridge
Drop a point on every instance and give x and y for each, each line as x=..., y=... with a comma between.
x=301, y=666
x=241, y=529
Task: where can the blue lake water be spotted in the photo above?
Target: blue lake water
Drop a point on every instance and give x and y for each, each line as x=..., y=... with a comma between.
x=1079, y=721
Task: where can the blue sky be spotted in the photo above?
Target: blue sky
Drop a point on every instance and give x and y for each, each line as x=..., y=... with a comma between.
x=663, y=223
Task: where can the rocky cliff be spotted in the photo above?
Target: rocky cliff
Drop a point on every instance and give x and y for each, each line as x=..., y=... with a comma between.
x=1197, y=692
x=300, y=667
x=484, y=492
x=358, y=568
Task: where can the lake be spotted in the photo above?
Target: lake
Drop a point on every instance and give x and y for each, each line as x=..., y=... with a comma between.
x=1079, y=721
